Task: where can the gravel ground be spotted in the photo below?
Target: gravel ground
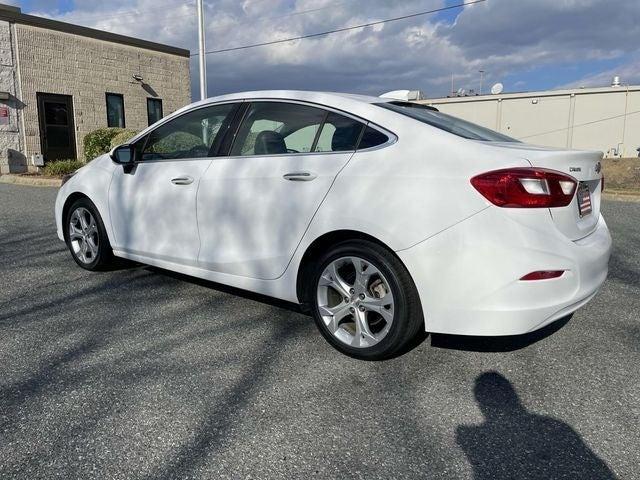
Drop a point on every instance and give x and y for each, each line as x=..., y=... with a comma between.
x=139, y=373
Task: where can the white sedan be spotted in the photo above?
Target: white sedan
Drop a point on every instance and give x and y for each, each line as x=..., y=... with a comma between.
x=384, y=218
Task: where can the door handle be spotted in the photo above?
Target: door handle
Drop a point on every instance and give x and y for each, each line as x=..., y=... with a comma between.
x=186, y=180
x=299, y=176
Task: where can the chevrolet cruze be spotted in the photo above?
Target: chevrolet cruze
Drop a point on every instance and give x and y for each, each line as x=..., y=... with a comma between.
x=384, y=218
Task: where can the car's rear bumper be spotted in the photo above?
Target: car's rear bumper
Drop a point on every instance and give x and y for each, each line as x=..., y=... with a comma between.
x=468, y=276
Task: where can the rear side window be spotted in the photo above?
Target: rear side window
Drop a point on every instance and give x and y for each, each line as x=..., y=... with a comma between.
x=301, y=140
x=372, y=138
x=279, y=128
x=276, y=128
x=339, y=134
x=456, y=126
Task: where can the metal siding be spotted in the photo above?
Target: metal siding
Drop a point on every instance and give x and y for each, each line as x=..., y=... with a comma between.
x=590, y=130
x=578, y=118
x=543, y=123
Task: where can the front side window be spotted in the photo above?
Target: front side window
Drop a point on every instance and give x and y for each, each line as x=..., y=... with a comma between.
x=456, y=126
x=275, y=128
x=154, y=110
x=192, y=135
x=115, y=110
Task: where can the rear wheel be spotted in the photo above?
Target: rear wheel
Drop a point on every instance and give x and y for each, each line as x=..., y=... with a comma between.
x=364, y=301
x=86, y=236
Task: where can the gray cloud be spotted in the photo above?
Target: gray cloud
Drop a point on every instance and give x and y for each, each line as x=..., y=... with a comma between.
x=501, y=36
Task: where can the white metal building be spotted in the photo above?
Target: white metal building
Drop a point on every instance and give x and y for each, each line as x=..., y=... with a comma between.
x=606, y=119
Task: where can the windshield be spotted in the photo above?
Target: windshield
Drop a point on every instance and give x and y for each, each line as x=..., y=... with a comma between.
x=435, y=118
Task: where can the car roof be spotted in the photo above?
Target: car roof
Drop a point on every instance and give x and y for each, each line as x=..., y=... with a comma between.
x=347, y=100
x=308, y=95
x=358, y=105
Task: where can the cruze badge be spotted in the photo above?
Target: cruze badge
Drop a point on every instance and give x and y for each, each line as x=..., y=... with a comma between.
x=575, y=169
x=598, y=167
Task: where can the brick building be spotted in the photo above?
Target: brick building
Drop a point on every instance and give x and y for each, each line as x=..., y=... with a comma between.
x=60, y=81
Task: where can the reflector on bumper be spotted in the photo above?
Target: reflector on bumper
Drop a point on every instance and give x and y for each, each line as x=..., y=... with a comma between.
x=543, y=275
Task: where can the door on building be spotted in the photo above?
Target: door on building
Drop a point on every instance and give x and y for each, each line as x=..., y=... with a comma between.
x=57, y=133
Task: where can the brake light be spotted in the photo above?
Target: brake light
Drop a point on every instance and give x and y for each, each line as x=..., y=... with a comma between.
x=526, y=187
x=543, y=275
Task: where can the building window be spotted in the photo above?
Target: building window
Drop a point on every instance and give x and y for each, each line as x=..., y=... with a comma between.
x=115, y=110
x=154, y=110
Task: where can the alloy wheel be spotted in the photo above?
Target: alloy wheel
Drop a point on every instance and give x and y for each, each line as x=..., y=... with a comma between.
x=83, y=235
x=355, y=301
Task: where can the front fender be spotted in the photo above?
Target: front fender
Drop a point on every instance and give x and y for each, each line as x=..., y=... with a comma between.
x=92, y=181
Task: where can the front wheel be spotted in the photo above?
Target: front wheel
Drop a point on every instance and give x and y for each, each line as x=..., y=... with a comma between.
x=86, y=236
x=364, y=301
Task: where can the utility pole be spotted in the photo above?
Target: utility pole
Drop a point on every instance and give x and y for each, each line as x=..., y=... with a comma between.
x=481, y=78
x=201, y=56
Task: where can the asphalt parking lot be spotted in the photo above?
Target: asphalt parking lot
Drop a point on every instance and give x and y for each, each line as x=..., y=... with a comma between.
x=138, y=373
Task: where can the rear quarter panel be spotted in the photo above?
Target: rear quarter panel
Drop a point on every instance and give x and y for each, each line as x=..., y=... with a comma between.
x=411, y=190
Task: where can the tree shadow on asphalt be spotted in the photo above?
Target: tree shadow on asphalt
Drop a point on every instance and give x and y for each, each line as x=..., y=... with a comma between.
x=213, y=430
x=257, y=297
x=90, y=359
x=274, y=302
x=515, y=443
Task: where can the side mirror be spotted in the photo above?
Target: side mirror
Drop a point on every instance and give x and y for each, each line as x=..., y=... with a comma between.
x=122, y=154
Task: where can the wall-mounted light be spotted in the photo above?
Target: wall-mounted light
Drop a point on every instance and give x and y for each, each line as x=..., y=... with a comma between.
x=4, y=95
x=137, y=77
x=534, y=101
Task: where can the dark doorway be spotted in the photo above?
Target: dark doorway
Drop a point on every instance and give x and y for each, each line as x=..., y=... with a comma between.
x=57, y=133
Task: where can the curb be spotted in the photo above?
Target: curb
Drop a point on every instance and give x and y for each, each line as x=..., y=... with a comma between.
x=30, y=180
x=621, y=196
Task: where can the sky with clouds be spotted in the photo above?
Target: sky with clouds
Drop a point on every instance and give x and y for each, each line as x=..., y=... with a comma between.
x=525, y=44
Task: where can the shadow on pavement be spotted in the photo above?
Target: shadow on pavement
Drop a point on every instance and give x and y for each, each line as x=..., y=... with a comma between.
x=257, y=297
x=507, y=343
x=514, y=443
x=274, y=302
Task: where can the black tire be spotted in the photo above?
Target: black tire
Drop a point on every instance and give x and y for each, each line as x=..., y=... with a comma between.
x=104, y=258
x=407, y=326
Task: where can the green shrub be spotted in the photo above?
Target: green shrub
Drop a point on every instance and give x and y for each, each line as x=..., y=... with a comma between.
x=99, y=141
x=123, y=137
x=57, y=168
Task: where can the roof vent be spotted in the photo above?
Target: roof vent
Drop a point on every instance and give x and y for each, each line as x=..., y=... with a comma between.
x=615, y=82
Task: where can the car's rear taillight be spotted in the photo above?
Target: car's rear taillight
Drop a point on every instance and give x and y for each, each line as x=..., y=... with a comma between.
x=526, y=187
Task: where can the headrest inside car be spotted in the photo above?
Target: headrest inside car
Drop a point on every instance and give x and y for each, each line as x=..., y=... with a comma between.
x=269, y=142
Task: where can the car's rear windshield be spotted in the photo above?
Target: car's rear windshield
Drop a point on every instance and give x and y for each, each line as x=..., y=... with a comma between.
x=435, y=118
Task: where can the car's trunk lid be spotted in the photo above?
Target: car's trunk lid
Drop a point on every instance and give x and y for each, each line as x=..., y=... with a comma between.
x=580, y=217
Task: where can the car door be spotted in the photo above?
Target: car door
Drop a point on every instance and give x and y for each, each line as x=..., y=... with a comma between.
x=153, y=203
x=255, y=204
